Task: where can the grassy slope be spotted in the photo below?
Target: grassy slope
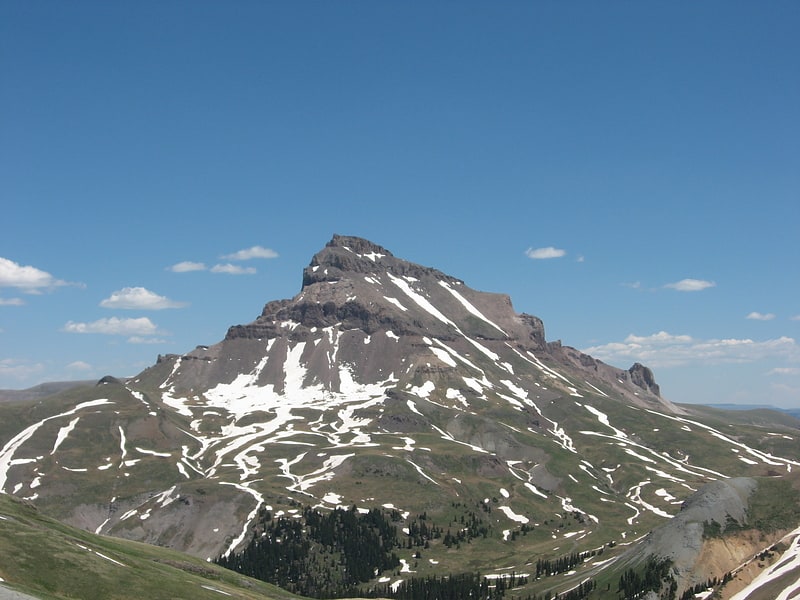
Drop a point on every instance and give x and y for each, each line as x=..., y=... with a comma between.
x=50, y=560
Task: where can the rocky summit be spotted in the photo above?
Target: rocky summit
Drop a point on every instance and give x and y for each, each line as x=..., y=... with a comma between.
x=388, y=386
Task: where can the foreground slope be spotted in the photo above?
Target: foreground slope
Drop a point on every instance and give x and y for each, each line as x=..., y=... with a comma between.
x=383, y=384
x=47, y=559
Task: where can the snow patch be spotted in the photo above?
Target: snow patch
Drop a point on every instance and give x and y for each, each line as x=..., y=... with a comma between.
x=396, y=302
x=63, y=433
x=514, y=516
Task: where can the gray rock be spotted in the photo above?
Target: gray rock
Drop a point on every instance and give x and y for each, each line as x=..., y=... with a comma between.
x=644, y=378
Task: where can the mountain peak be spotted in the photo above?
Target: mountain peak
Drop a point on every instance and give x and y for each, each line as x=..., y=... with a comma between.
x=356, y=244
x=346, y=256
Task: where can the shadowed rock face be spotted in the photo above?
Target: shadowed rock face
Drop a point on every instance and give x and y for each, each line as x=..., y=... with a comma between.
x=644, y=378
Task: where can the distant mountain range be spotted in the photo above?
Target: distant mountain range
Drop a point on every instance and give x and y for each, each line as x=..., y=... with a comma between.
x=40, y=391
x=451, y=436
x=795, y=412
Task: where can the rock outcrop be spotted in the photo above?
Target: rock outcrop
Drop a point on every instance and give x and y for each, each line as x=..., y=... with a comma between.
x=644, y=378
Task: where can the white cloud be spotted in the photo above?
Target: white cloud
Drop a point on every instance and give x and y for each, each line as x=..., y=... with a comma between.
x=18, y=369
x=548, y=252
x=666, y=350
x=250, y=253
x=660, y=338
x=11, y=302
x=795, y=318
x=139, y=298
x=757, y=316
x=233, y=269
x=137, y=339
x=114, y=326
x=690, y=285
x=245, y=254
x=79, y=365
x=785, y=371
x=187, y=266
x=27, y=278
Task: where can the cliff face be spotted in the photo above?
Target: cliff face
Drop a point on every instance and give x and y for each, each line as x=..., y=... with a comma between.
x=643, y=377
x=355, y=284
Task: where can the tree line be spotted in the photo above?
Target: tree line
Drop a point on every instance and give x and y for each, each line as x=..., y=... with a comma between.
x=654, y=577
x=321, y=555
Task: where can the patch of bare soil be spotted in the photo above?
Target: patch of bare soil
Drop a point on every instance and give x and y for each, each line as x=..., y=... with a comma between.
x=744, y=554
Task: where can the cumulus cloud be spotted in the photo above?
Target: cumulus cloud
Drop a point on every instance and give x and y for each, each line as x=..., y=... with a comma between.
x=690, y=285
x=664, y=349
x=26, y=278
x=11, y=302
x=660, y=338
x=187, y=266
x=250, y=253
x=245, y=254
x=795, y=318
x=543, y=253
x=139, y=298
x=757, y=316
x=141, y=326
x=230, y=269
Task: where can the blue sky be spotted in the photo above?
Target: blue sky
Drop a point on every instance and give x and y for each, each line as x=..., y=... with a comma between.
x=627, y=171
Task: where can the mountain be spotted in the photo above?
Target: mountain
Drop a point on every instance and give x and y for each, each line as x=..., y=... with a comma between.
x=39, y=391
x=389, y=386
x=794, y=412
